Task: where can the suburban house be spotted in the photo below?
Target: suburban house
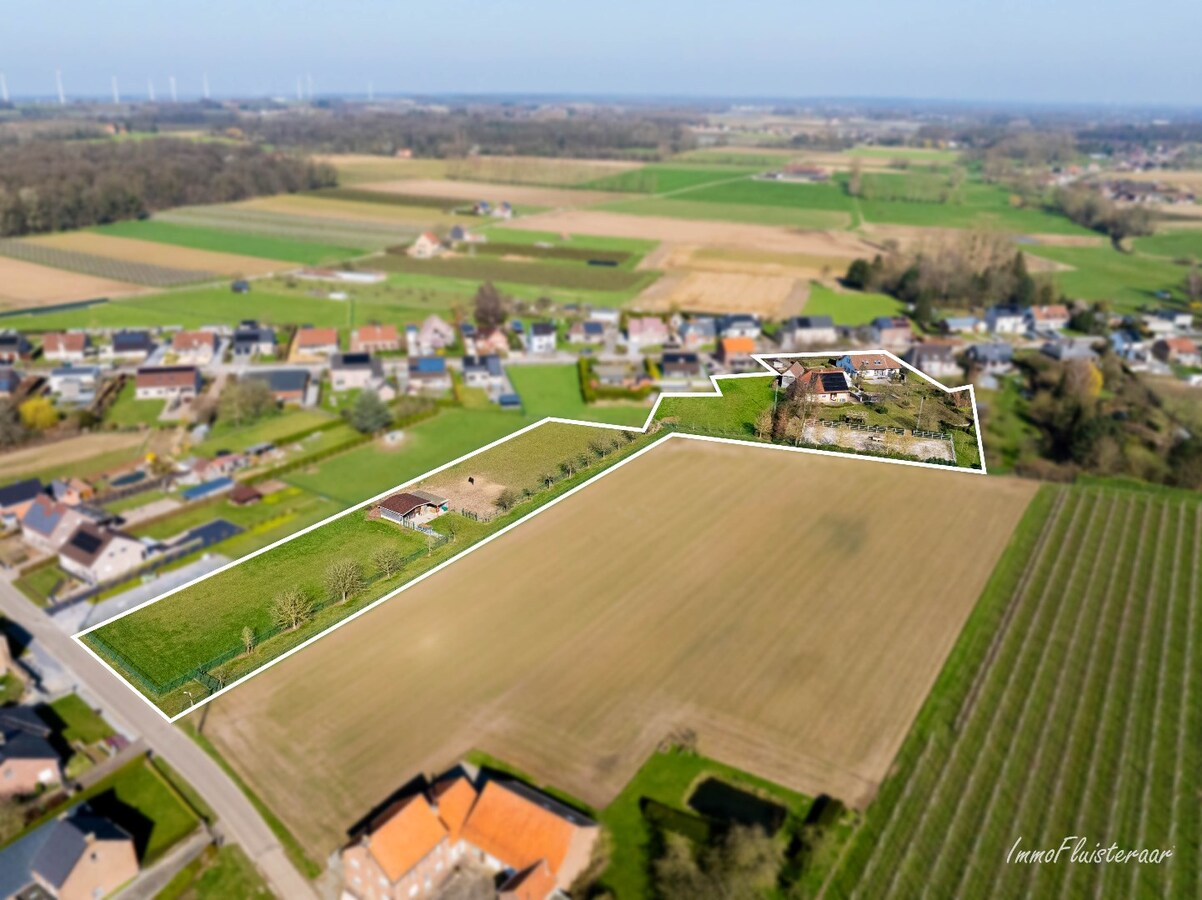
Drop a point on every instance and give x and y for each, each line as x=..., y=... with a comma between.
x=739, y=326
x=427, y=246
x=132, y=345
x=936, y=360
x=167, y=383
x=68, y=346
x=588, y=332
x=1006, y=319
x=697, y=332
x=10, y=381
x=14, y=347
x=870, y=366
x=74, y=384
x=79, y=856
x=735, y=353
x=287, y=385
x=222, y=466
x=47, y=524
x=411, y=507
x=195, y=347
x=491, y=340
x=681, y=367
x=1167, y=321
x=483, y=372
x=823, y=385
x=428, y=374
x=1068, y=349
x=891, y=331
x=355, y=372
x=606, y=315
x=71, y=491
x=375, y=339
x=542, y=337
x=809, y=331
x=252, y=339
x=1179, y=350
x=96, y=555
x=314, y=344
x=645, y=331
x=961, y=325
x=435, y=334
x=28, y=762
x=1048, y=319
x=536, y=845
x=619, y=374
x=995, y=358
x=15, y=498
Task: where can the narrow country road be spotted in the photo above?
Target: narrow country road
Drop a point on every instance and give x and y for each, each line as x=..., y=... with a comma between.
x=238, y=819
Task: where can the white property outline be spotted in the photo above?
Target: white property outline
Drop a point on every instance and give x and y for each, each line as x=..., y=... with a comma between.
x=761, y=358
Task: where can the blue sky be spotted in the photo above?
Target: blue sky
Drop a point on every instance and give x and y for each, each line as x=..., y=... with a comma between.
x=1051, y=51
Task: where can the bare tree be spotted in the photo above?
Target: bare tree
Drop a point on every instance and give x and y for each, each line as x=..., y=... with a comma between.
x=248, y=638
x=291, y=608
x=343, y=578
x=387, y=560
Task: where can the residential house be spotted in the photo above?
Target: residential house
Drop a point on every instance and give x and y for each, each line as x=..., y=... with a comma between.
x=14, y=347
x=607, y=315
x=252, y=340
x=822, y=385
x=1006, y=319
x=75, y=385
x=491, y=340
x=537, y=845
x=809, y=331
x=427, y=246
x=1168, y=321
x=467, y=338
x=287, y=385
x=10, y=381
x=97, y=555
x=15, y=498
x=428, y=374
x=47, y=524
x=355, y=372
x=314, y=344
x=880, y=367
x=80, y=856
x=697, y=332
x=28, y=762
x=618, y=375
x=645, y=331
x=375, y=339
x=1181, y=351
x=171, y=383
x=435, y=334
x=411, y=340
x=542, y=337
x=996, y=358
x=411, y=507
x=735, y=353
x=1068, y=349
x=484, y=372
x=936, y=360
x=677, y=367
x=961, y=325
x=69, y=346
x=588, y=332
x=1049, y=319
x=195, y=347
x=891, y=331
x=71, y=491
x=503, y=211
x=739, y=326
x=132, y=345
x=223, y=465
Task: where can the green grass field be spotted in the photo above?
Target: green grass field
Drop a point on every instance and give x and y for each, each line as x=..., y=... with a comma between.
x=217, y=874
x=850, y=307
x=1185, y=244
x=201, y=238
x=555, y=391
x=735, y=413
x=664, y=179
x=277, y=427
x=74, y=720
x=828, y=196
x=687, y=206
x=127, y=412
x=540, y=274
x=1071, y=705
x=140, y=800
x=1127, y=281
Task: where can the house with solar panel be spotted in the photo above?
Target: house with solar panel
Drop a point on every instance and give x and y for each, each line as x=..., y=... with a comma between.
x=47, y=524
x=825, y=384
x=428, y=375
x=97, y=555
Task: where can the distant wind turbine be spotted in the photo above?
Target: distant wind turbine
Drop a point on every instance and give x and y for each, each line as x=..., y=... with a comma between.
x=150, y=89
x=174, y=99
x=58, y=80
x=205, y=84
x=116, y=93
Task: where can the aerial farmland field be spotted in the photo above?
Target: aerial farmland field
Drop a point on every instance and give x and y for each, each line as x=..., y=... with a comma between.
x=24, y=284
x=221, y=241
x=1072, y=705
x=645, y=602
x=144, y=252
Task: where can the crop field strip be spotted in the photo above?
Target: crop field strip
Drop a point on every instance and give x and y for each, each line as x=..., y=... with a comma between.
x=102, y=266
x=557, y=275
x=241, y=219
x=1083, y=719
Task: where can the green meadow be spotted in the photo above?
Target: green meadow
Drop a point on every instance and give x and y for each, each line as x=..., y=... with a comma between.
x=199, y=237
x=663, y=179
x=850, y=307
x=1127, y=281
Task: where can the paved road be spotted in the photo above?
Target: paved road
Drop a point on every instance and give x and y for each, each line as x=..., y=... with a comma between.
x=239, y=820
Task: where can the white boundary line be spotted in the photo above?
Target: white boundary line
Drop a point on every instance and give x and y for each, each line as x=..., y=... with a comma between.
x=762, y=359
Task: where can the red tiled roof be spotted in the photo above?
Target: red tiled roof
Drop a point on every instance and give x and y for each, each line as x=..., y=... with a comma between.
x=193, y=340
x=517, y=831
x=406, y=837
x=64, y=342
x=317, y=337
x=167, y=376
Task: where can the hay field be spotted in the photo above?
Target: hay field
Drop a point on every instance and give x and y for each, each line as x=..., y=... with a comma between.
x=797, y=631
x=519, y=195
x=407, y=219
x=356, y=168
x=773, y=296
x=158, y=254
x=28, y=284
x=762, y=238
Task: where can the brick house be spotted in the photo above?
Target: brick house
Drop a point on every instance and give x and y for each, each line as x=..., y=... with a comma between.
x=314, y=344
x=167, y=383
x=28, y=762
x=69, y=346
x=47, y=524
x=375, y=339
x=195, y=347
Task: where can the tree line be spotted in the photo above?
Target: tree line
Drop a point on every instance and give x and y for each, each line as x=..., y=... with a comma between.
x=60, y=185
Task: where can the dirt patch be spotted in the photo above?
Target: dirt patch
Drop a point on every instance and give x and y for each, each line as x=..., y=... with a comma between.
x=28, y=284
x=873, y=441
x=793, y=631
x=478, y=496
x=63, y=453
x=714, y=292
x=157, y=254
x=521, y=195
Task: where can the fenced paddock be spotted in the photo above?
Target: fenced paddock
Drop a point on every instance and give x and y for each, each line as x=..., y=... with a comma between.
x=573, y=644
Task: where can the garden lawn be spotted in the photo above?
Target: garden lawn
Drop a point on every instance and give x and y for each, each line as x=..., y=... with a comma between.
x=555, y=391
x=126, y=412
x=217, y=874
x=1173, y=244
x=201, y=238
x=141, y=801
x=850, y=307
x=282, y=504
x=74, y=720
x=276, y=428
x=733, y=415
x=1127, y=281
